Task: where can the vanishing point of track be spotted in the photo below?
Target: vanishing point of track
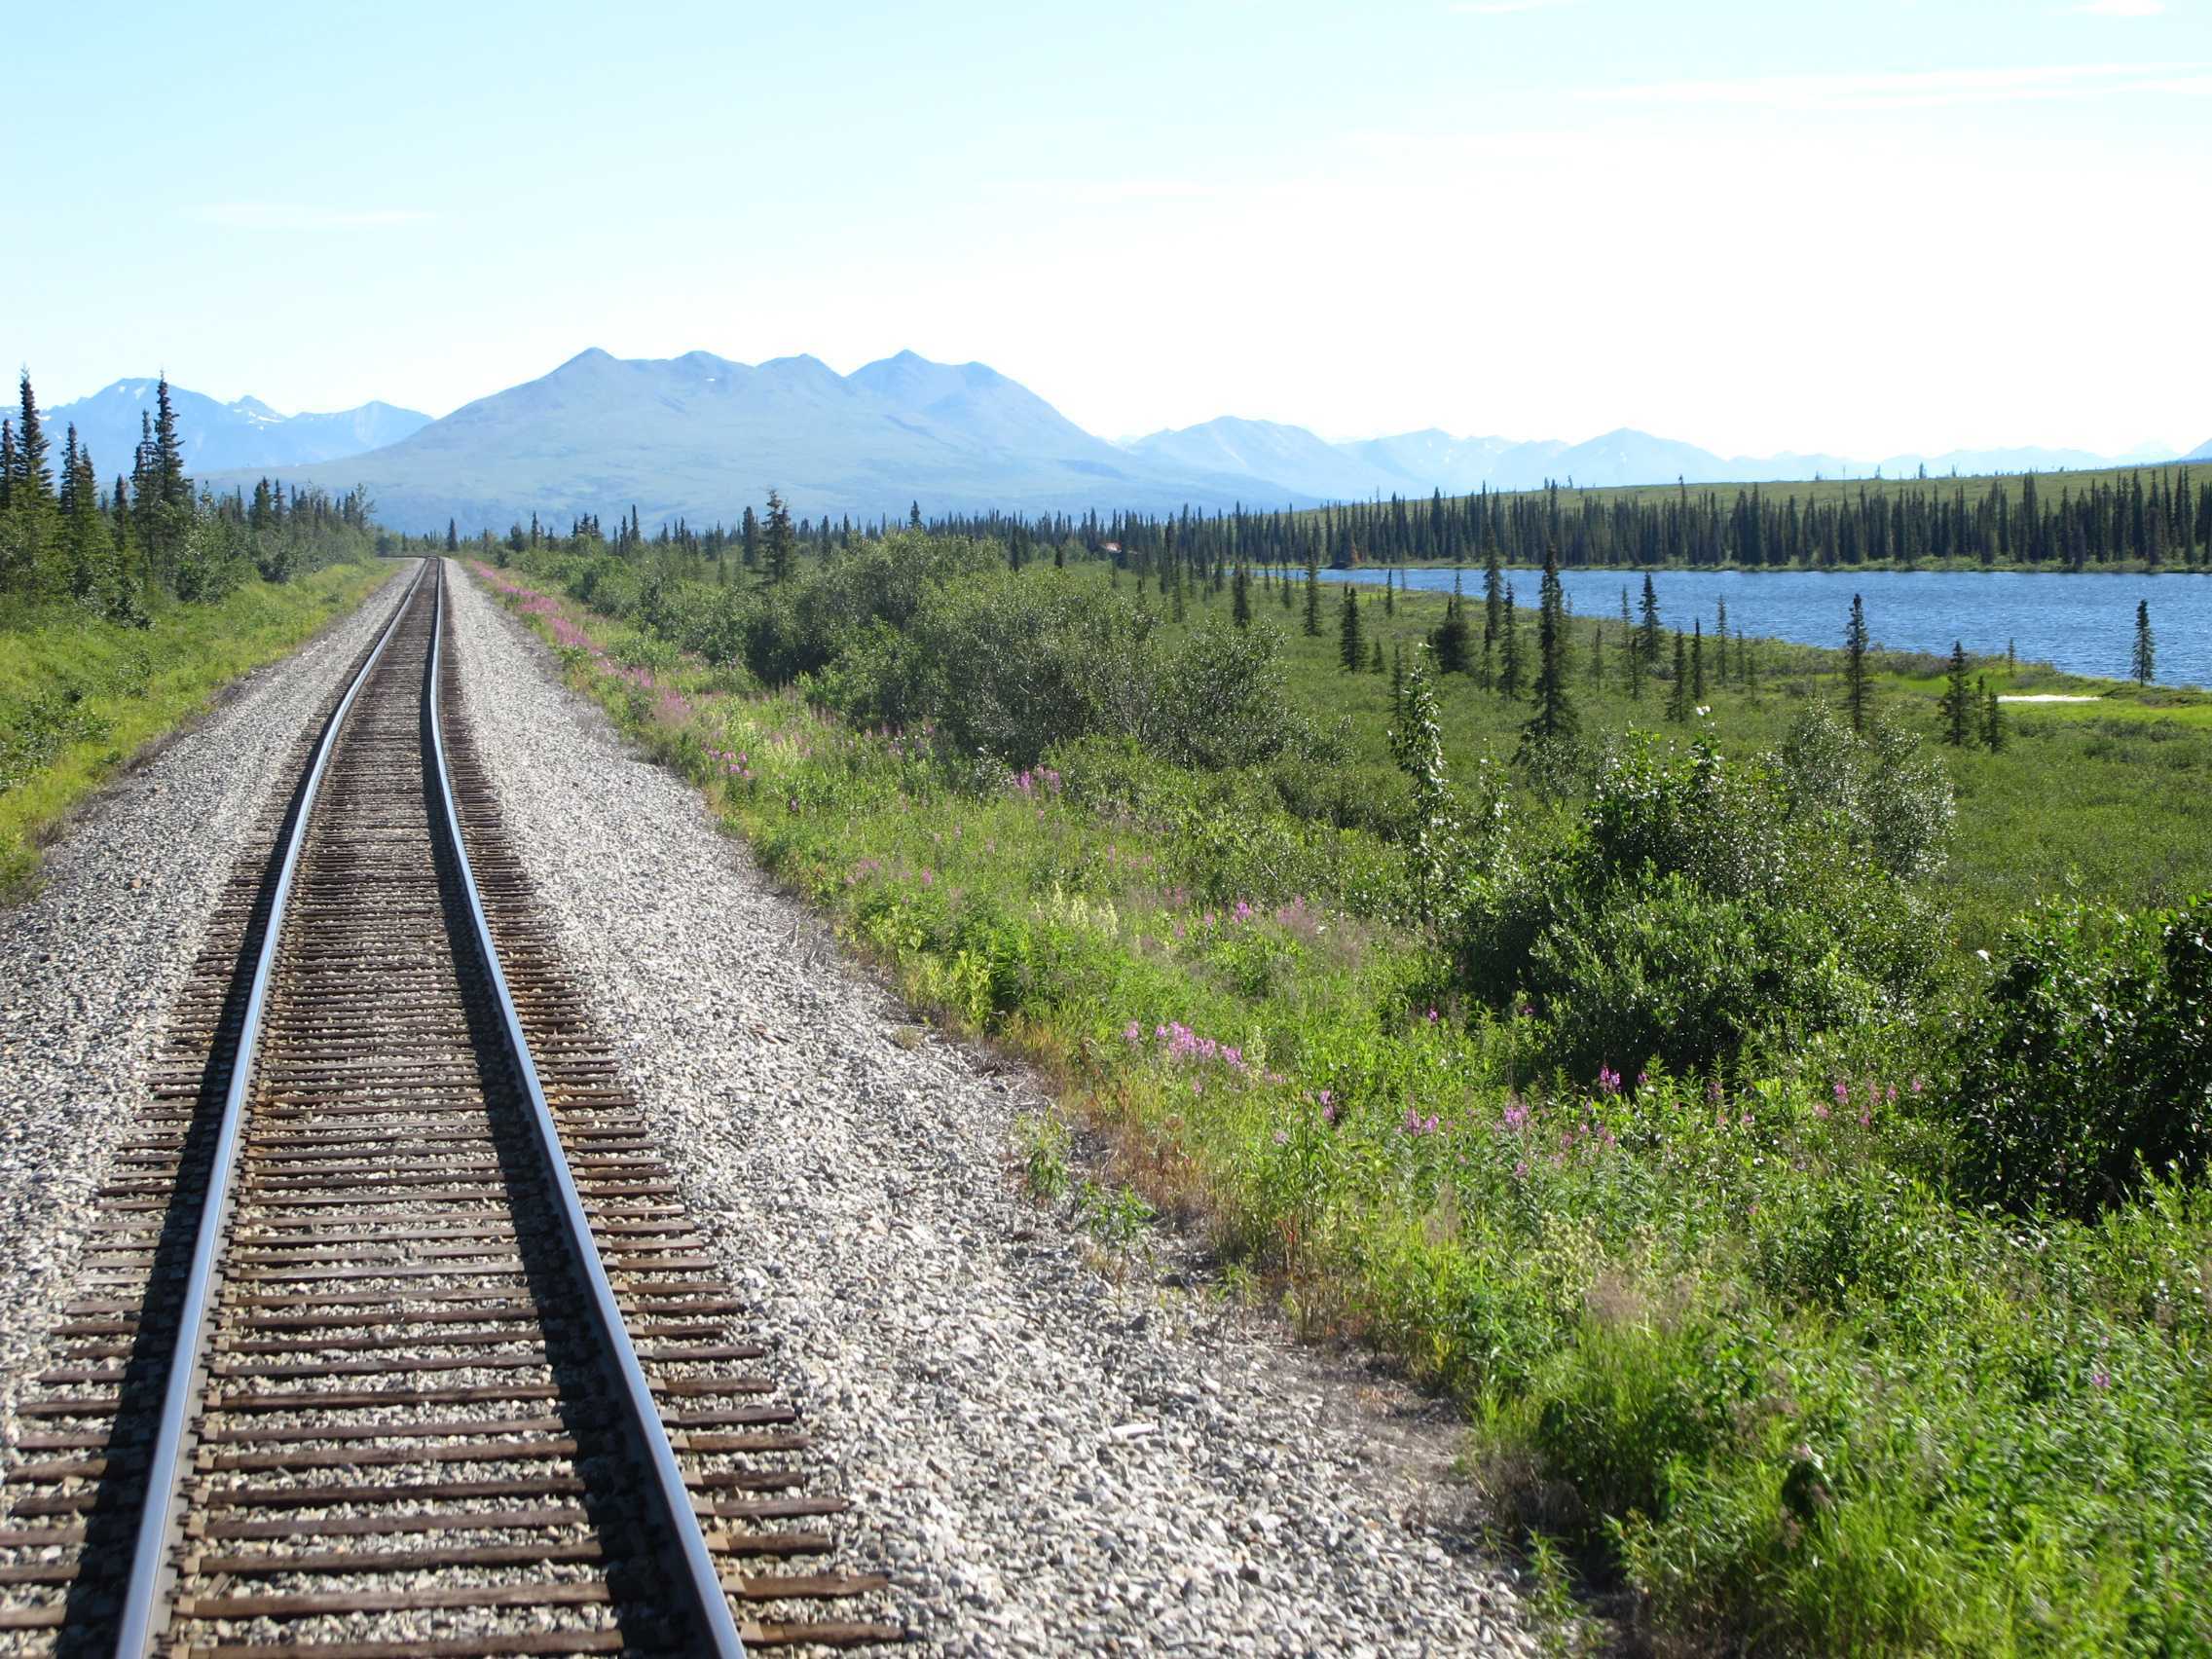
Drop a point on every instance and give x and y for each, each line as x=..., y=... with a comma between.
x=393, y=1337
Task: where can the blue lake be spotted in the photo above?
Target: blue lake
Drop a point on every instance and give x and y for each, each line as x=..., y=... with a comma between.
x=2084, y=624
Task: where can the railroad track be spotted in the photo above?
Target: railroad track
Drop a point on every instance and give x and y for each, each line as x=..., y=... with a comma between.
x=392, y=1336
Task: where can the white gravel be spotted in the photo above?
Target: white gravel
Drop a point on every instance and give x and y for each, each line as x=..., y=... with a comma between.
x=93, y=959
x=1048, y=1458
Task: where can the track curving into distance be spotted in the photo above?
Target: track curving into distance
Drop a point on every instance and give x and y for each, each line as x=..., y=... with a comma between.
x=393, y=1339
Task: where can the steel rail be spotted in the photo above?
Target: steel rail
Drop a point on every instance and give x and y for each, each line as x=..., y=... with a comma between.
x=149, y=1561
x=674, y=1497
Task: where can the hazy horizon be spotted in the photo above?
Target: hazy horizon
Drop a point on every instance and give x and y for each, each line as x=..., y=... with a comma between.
x=1747, y=228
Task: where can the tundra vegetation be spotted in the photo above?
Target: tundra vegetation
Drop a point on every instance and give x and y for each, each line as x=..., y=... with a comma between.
x=1767, y=1086
x=123, y=605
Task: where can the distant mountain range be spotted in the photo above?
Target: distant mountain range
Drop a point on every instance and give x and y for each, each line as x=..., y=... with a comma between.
x=219, y=435
x=699, y=437
x=1416, y=462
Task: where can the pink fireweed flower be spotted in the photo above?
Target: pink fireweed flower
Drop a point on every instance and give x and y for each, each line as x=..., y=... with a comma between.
x=1416, y=1125
x=1608, y=1081
x=1516, y=1114
x=1130, y=1033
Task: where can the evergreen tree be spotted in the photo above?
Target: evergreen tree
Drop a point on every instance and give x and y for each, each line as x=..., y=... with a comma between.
x=1598, y=657
x=1494, y=614
x=1647, y=635
x=1554, y=719
x=748, y=536
x=1678, y=695
x=914, y=515
x=1511, y=671
x=30, y=486
x=1632, y=649
x=169, y=451
x=1992, y=720
x=2145, y=664
x=1313, y=592
x=1374, y=657
x=1957, y=702
x=1859, y=690
x=1240, y=597
x=1351, y=650
x=1720, y=638
x=1697, y=661
x=780, y=543
x=1389, y=593
x=453, y=537
x=1450, y=638
x=92, y=549
x=1397, y=681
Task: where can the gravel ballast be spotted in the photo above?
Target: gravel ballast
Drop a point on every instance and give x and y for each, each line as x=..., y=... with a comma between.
x=95, y=957
x=1048, y=1454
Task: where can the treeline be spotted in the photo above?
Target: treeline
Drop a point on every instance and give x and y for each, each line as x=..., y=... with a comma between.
x=2153, y=519
x=125, y=546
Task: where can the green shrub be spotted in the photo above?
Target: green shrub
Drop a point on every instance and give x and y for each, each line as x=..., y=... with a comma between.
x=1686, y=914
x=2089, y=1060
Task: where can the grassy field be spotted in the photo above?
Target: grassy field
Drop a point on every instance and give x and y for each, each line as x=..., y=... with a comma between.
x=2105, y=799
x=79, y=697
x=1737, y=1338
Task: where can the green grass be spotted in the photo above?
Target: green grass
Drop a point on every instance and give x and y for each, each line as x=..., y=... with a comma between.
x=1735, y=1345
x=2105, y=799
x=79, y=697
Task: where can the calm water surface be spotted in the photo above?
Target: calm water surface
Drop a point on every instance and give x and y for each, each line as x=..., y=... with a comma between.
x=2084, y=624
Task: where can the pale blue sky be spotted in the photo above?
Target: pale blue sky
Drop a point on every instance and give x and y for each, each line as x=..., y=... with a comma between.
x=1859, y=228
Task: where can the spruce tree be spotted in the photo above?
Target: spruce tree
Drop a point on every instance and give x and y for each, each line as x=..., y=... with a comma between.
x=1992, y=720
x=2145, y=667
x=1511, y=671
x=1240, y=597
x=1647, y=635
x=1721, y=636
x=1957, y=702
x=1374, y=657
x=1598, y=657
x=92, y=549
x=914, y=515
x=1313, y=594
x=1678, y=696
x=1697, y=661
x=1450, y=639
x=169, y=451
x=1351, y=650
x=31, y=486
x=1632, y=649
x=779, y=544
x=1397, y=681
x=1494, y=614
x=1389, y=593
x=1859, y=691
x=1554, y=719
x=453, y=537
x=749, y=534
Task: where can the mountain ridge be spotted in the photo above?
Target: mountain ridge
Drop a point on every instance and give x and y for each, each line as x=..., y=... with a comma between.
x=244, y=432
x=698, y=437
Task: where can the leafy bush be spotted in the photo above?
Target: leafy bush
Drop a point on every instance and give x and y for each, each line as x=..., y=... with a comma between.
x=2089, y=1061
x=1686, y=912
x=1881, y=791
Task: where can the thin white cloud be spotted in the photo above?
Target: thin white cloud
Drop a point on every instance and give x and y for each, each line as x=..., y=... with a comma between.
x=1915, y=89
x=2120, y=8
x=1498, y=8
x=299, y=216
